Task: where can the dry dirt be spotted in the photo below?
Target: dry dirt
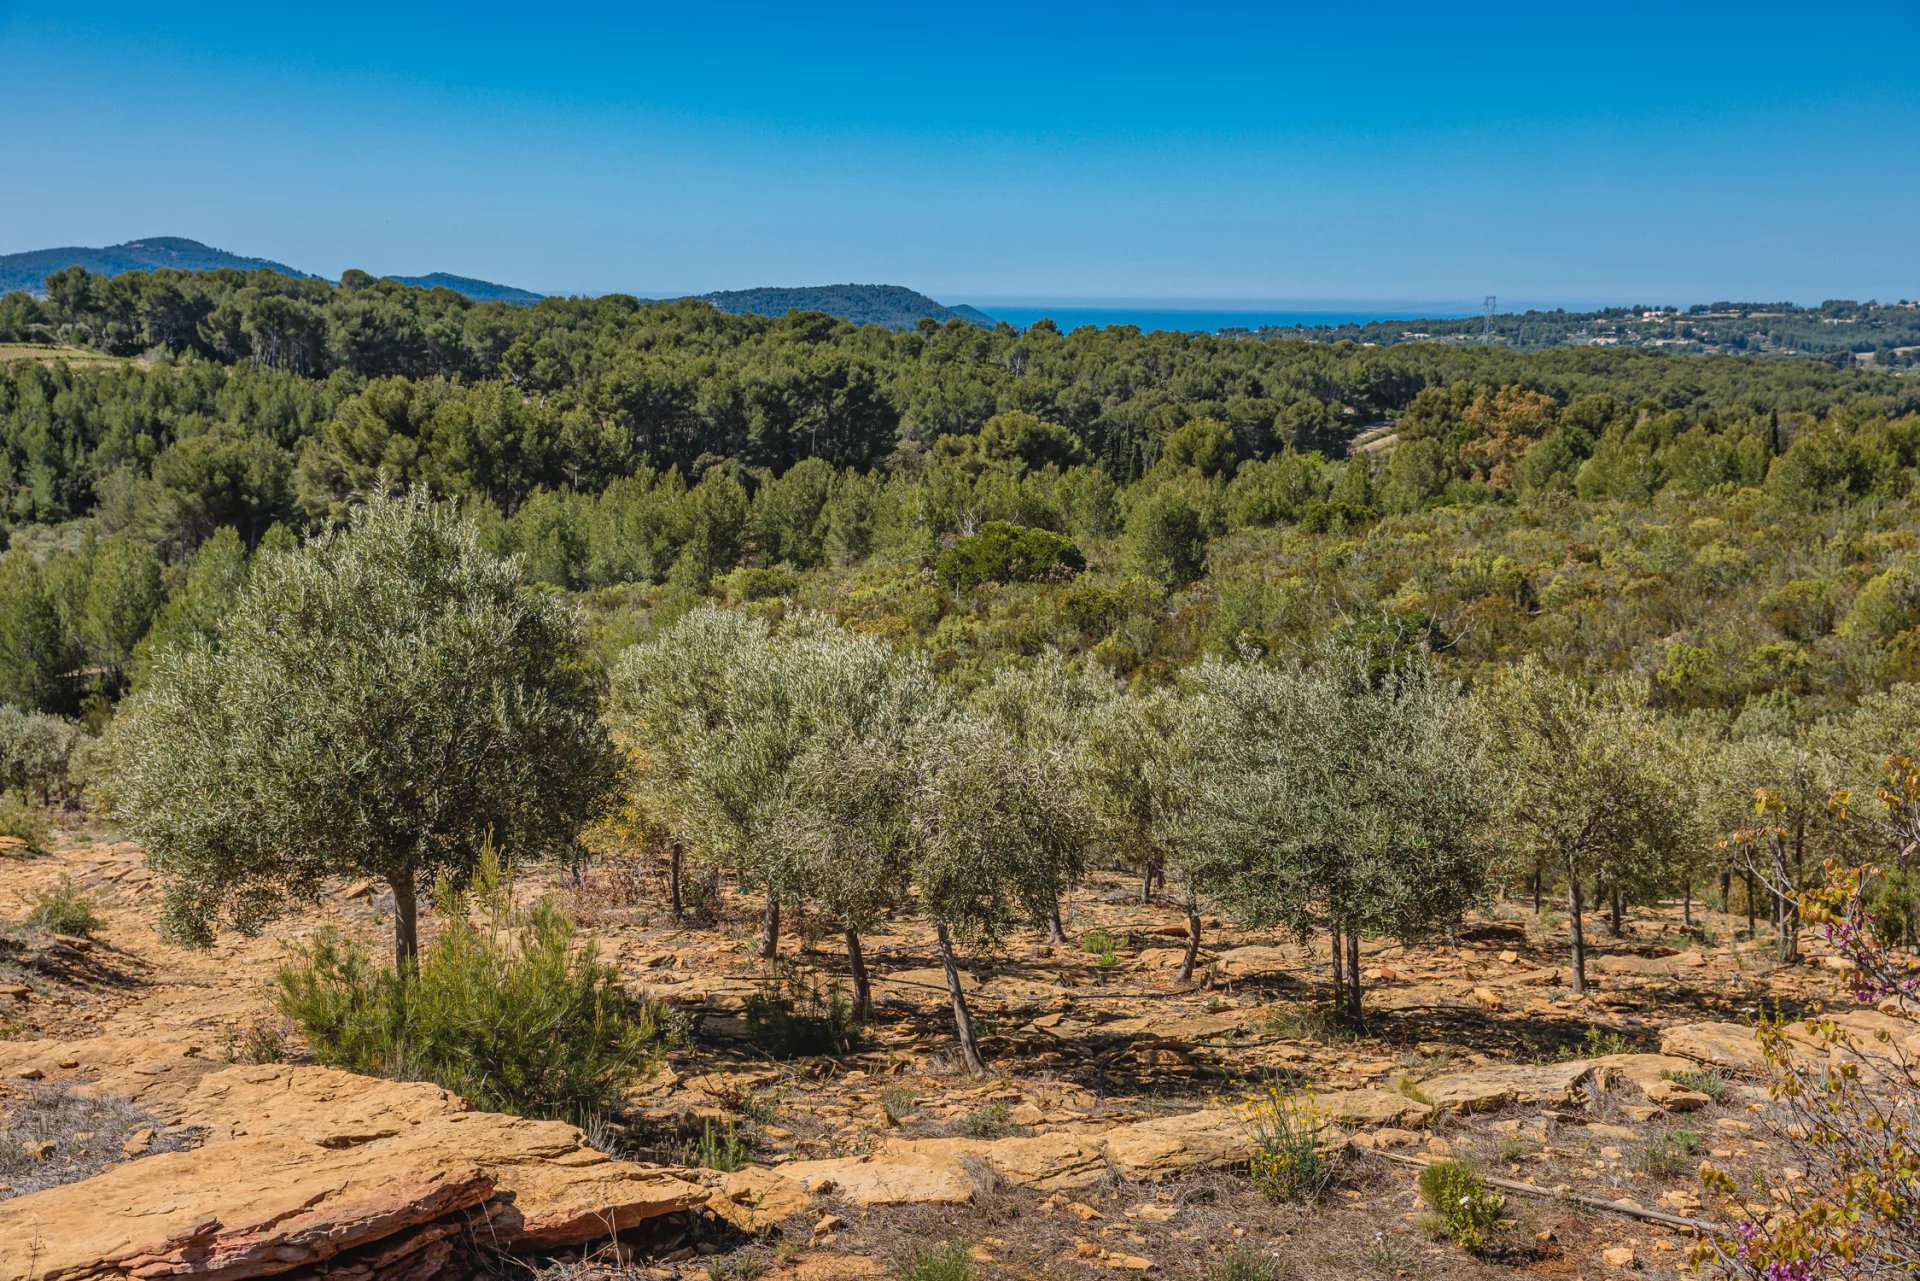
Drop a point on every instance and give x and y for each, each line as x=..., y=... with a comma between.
x=1087, y=1043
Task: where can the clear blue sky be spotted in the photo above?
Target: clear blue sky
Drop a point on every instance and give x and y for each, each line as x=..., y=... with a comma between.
x=1626, y=152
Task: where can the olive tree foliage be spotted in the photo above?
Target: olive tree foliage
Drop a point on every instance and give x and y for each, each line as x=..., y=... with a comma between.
x=707, y=703
x=375, y=703
x=1792, y=822
x=1341, y=798
x=1142, y=758
x=990, y=824
x=36, y=752
x=1586, y=778
x=849, y=829
x=1049, y=707
x=780, y=756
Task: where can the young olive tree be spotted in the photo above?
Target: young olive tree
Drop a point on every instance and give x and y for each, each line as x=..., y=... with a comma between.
x=710, y=704
x=1047, y=707
x=990, y=826
x=1341, y=797
x=1141, y=760
x=1585, y=777
x=375, y=703
x=849, y=828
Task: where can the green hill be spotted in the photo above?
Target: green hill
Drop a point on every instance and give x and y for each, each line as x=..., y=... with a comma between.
x=28, y=271
x=478, y=290
x=894, y=306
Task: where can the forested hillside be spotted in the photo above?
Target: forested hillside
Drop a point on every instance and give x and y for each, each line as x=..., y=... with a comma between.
x=25, y=271
x=1732, y=533
x=1887, y=335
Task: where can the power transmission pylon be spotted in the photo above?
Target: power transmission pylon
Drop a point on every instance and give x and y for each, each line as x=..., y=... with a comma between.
x=1486, y=328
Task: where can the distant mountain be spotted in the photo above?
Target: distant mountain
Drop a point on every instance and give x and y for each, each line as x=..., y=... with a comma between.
x=478, y=290
x=29, y=270
x=974, y=315
x=894, y=306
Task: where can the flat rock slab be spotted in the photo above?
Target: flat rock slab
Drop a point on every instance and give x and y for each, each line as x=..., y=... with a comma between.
x=1372, y=1107
x=942, y=1171
x=1485, y=1089
x=244, y=1208
x=1728, y=1045
x=307, y=1162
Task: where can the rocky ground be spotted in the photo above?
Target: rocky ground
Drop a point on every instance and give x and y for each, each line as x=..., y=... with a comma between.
x=1110, y=1138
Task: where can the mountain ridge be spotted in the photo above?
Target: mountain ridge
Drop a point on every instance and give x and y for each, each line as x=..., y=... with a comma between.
x=29, y=269
x=894, y=306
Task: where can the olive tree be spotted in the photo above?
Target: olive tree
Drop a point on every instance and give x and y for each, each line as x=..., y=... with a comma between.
x=712, y=705
x=989, y=827
x=376, y=703
x=1340, y=797
x=1584, y=777
x=1142, y=757
x=1048, y=706
x=849, y=825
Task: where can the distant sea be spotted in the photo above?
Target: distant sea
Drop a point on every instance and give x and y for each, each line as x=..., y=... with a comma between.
x=1200, y=320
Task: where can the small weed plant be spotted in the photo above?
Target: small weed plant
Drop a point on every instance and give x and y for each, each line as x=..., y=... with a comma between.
x=1245, y=1263
x=1665, y=1155
x=64, y=908
x=723, y=1148
x=1461, y=1207
x=994, y=1121
x=946, y=1261
x=1706, y=1081
x=899, y=1103
x=1288, y=1163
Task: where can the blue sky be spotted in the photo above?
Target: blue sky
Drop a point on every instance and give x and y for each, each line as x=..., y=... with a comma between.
x=1620, y=152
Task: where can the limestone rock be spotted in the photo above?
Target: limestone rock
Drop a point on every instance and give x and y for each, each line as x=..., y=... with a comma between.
x=246, y=1208
x=304, y=1163
x=1484, y=1089
x=755, y=1199
x=891, y=1179
x=1728, y=1045
x=1372, y=1107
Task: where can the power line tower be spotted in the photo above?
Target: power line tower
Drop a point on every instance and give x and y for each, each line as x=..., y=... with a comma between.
x=1486, y=327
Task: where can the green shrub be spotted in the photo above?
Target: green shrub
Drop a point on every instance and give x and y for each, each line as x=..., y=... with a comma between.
x=994, y=1121
x=25, y=822
x=1707, y=1081
x=725, y=1149
x=1004, y=553
x=64, y=908
x=793, y=1017
x=1665, y=1154
x=1287, y=1163
x=947, y=1261
x=1245, y=1263
x=514, y=1014
x=1463, y=1208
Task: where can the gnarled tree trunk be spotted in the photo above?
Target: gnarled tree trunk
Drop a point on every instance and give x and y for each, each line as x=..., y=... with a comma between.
x=1576, y=930
x=1193, y=939
x=862, y=984
x=406, y=926
x=770, y=927
x=962, y=1017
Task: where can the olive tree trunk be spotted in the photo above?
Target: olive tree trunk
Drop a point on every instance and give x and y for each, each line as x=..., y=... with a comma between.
x=770, y=927
x=962, y=1017
x=1576, y=931
x=406, y=926
x=1193, y=938
x=1355, y=1012
x=673, y=880
x=862, y=984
